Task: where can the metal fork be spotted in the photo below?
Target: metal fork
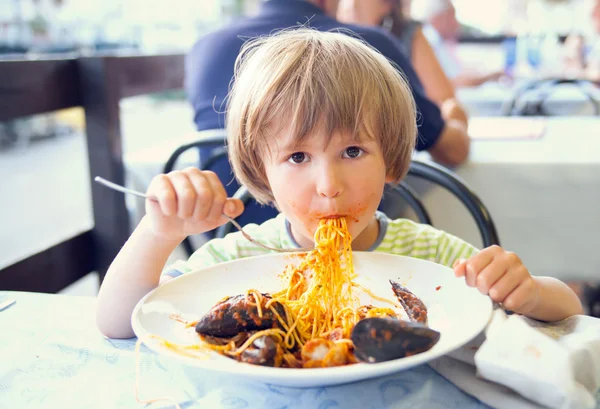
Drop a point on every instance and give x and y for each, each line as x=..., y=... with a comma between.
x=5, y=304
x=123, y=189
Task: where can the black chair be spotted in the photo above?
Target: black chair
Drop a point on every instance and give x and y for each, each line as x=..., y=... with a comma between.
x=530, y=99
x=451, y=182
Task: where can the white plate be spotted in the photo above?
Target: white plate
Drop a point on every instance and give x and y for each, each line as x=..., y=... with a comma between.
x=457, y=311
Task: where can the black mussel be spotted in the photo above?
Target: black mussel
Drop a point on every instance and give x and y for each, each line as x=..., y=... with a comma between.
x=264, y=351
x=384, y=339
x=239, y=314
x=414, y=307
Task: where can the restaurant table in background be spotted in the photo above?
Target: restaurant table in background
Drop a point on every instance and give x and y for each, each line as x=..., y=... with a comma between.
x=542, y=190
x=490, y=98
x=52, y=355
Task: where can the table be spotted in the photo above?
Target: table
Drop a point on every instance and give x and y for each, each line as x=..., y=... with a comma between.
x=51, y=356
x=543, y=195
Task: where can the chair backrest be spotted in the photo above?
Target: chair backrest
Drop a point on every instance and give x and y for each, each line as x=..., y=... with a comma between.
x=530, y=98
x=451, y=182
x=213, y=156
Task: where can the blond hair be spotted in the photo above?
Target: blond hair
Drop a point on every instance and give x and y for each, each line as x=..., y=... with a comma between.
x=310, y=80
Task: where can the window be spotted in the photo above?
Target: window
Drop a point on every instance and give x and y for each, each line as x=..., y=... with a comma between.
x=86, y=26
x=509, y=17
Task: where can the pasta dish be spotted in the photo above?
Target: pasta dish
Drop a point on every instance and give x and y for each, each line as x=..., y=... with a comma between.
x=316, y=320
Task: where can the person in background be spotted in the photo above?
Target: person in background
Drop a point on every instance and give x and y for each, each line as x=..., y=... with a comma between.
x=574, y=55
x=390, y=15
x=210, y=67
x=441, y=28
x=585, y=64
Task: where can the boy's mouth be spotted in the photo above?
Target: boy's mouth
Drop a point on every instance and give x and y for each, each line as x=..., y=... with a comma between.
x=333, y=216
x=319, y=215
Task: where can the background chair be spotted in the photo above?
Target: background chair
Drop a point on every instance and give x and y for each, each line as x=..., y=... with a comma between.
x=531, y=98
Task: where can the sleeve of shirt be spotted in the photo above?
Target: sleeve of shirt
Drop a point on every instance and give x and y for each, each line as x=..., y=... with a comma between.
x=451, y=248
x=214, y=252
x=429, y=117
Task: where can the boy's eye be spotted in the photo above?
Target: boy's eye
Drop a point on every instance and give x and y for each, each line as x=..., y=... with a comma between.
x=353, y=152
x=298, y=157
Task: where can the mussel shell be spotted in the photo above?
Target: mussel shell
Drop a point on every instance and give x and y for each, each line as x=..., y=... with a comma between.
x=235, y=314
x=413, y=305
x=264, y=351
x=384, y=339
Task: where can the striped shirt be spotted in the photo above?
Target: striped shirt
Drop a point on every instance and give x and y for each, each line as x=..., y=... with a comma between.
x=400, y=236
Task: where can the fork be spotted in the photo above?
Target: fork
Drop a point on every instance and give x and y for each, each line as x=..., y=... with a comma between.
x=123, y=189
x=4, y=304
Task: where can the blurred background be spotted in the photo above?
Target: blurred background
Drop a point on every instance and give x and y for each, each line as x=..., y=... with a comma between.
x=58, y=26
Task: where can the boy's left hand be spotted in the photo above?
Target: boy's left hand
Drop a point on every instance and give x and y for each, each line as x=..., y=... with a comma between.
x=501, y=275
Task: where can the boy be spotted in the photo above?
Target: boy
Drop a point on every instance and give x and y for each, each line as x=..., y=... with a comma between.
x=317, y=124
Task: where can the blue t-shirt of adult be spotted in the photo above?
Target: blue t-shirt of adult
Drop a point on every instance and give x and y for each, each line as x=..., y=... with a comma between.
x=210, y=63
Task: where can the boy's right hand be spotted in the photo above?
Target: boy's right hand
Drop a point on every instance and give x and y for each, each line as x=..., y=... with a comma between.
x=189, y=202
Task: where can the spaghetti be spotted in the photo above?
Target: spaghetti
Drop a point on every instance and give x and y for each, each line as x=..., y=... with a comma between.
x=319, y=293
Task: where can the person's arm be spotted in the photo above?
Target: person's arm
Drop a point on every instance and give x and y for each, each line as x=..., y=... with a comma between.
x=436, y=83
x=443, y=129
x=188, y=202
x=556, y=301
x=452, y=146
x=470, y=79
x=502, y=275
x=134, y=272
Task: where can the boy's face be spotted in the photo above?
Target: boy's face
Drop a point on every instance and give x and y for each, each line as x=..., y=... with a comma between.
x=316, y=180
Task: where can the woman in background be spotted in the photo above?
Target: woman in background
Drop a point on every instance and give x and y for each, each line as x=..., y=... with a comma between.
x=391, y=16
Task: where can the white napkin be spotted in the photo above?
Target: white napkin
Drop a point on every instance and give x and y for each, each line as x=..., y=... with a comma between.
x=522, y=364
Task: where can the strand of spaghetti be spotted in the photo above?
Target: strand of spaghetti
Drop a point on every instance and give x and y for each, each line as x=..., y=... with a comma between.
x=204, y=347
x=376, y=297
x=290, y=330
x=138, y=352
x=187, y=324
x=254, y=337
x=258, y=300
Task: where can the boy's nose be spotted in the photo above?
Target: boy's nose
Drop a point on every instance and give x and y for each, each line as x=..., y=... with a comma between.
x=329, y=183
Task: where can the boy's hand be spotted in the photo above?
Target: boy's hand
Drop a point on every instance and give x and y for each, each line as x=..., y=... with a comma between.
x=189, y=202
x=501, y=275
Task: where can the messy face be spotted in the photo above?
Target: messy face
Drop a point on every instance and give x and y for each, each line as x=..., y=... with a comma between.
x=325, y=176
x=297, y=88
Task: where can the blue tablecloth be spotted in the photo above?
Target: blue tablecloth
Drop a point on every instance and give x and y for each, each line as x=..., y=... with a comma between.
x=52, y=356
